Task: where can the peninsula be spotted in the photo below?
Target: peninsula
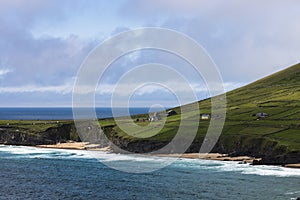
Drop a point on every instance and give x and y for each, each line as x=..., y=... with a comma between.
x=262, y=121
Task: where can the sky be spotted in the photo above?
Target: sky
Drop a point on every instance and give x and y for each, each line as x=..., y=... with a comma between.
x=44, y=42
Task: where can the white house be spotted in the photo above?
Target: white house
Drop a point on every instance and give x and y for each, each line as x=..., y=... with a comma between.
x=205, y=116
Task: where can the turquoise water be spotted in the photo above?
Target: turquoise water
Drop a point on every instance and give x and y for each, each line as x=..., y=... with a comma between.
x=35, y=173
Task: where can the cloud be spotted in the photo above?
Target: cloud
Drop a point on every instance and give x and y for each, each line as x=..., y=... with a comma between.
x=166, y=7
x=143, y=88
x=3, y=72
x=200, y=8
x=63, y=89
x=246, y=39
x=45, y=60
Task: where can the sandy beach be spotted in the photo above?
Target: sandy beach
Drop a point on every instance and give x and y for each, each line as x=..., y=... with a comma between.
x=75, y=146
x=205, y=156
x=293, y=165
x=67, y=145
x=209, y=156
x=212, y=156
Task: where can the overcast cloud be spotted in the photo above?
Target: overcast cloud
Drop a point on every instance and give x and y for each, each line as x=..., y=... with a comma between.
x=44, y=42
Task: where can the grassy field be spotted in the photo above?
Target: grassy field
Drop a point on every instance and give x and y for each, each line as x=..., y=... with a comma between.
x=277, y=95
x=31, y=126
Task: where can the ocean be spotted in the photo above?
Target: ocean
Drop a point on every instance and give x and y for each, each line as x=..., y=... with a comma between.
x=36, y=173
x=60, y=113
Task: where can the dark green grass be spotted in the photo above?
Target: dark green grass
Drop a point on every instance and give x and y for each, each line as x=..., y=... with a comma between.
x=278, y=95
x=31, y=126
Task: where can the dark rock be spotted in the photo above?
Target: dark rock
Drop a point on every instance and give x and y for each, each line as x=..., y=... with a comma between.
x=53, y=135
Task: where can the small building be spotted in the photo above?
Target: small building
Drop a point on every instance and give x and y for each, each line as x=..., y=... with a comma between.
x=171, y=113
x=261, y=115
x=205, y=116
x=154, y=117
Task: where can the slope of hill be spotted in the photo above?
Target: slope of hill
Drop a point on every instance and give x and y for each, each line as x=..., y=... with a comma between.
x=275, y=138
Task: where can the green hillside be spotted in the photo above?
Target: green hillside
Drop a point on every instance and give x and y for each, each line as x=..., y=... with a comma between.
x=275, y=138
x=277, y=135
x=277, y=95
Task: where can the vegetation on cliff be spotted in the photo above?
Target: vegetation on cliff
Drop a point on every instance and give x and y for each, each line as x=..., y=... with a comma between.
x=27, y=132
x=262, y=120
x=275, y=137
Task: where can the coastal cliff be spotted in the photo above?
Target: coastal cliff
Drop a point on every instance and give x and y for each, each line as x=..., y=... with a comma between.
x=24, y=133
x=262, y=120
x=271, y=152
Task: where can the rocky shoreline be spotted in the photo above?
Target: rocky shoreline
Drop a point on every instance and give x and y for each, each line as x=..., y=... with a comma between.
x=206, y=156
x=58, y=137
x=273, y=154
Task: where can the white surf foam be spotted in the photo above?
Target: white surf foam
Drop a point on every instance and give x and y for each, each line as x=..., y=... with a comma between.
x=292, y=193
x=262, y=170
x=112, y=157
x=231, y=166
x=33, y=152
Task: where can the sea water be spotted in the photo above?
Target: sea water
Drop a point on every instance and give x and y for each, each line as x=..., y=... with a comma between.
x=36, y=173
x=62, y=113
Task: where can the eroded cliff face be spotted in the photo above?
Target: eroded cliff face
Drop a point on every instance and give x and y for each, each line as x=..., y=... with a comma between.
x=62, y=133
x=270, y=151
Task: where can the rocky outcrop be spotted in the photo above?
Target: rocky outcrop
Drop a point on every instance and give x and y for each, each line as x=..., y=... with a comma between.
x=126, y=146
x=270, y=152
x=62, y=133
x=287, y=158
x=16, y=137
